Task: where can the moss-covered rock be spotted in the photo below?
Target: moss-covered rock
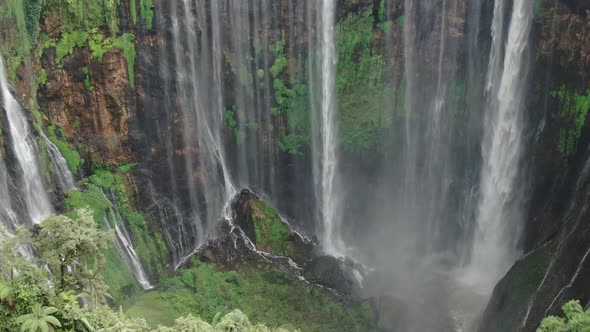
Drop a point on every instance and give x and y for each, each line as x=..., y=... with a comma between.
x=265, y=228
x=512, y=294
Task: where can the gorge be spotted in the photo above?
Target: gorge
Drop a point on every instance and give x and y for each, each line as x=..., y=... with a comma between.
x=351, y=165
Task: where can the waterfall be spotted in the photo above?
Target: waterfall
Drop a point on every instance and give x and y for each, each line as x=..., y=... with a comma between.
x=325, y=135
x=8, y=218
x=65, y=178
x=123, y=243
x=197, y=55
x=499, y=211
x=24, y=148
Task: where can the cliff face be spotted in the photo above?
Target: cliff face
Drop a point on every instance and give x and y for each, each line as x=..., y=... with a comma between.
x=118, y=93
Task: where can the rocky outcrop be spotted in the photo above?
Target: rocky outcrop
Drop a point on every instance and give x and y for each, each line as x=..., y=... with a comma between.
x=260, y=237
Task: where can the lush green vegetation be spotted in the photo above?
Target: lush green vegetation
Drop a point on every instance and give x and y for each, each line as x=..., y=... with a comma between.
x=147, y=240
x=71, y=156
x=264, y=294
x=45, y=292
x=576, y=319
x=574, y=108
x=362, y=95
x=271, y=233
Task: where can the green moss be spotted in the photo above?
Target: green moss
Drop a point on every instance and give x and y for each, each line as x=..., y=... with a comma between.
x=278, y=66
x=518, y=286
x=126, y=167
x=103, y=178
x=87, y=84
x=574, y=108
x=91, y=198
x=147, y=13
x=400, y=21
x=260, y=73
x=71, y=156
x=257, y=45
x=362, y=95
x=76, y=124
x=125, y=43
x=32, y=9
x=42, y=78
x=271, y=232
x=266, y=295
x=133, y=9
x=278, y=47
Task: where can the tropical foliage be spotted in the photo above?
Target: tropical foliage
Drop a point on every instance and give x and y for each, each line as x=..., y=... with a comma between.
x=575, y=320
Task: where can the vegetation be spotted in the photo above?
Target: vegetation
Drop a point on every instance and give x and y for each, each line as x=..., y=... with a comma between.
x=271, y=233
x=71, y=156
x=105, y=191
x=362, y=95
x=87, y=83
x=576, y=319
x=263, y=294
x=52, y=298
x=574, y=108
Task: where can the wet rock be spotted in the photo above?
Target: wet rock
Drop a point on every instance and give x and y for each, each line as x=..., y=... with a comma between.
x=268, y=232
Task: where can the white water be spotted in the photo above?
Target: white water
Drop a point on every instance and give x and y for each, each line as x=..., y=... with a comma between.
x=23, y=145
x=8, y=218
x=325, y=144
x=125, y=246
x=64, y=176
x=498, y=221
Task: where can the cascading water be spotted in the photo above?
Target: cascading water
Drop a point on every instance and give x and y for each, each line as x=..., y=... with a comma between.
x=499, y=211
x=124, y=244
x=8, y=218
x=65, y=178
x=25, y=150
x=324, y=127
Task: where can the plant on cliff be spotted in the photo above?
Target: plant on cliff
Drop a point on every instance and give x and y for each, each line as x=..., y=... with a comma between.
x=71, y=156
x=576, y=319
x=362, y=95
x=574, y=108
x=271, y=233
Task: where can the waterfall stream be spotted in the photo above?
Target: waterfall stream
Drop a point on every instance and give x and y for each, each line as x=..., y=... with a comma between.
x=499, y=211
x=325, y=128
x=25, y=150
x=62, y=172
x=123, y=242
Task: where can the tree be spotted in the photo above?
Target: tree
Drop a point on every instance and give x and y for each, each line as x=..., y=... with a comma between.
x=576, y=320
x=72, y=249
x=40, y=319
